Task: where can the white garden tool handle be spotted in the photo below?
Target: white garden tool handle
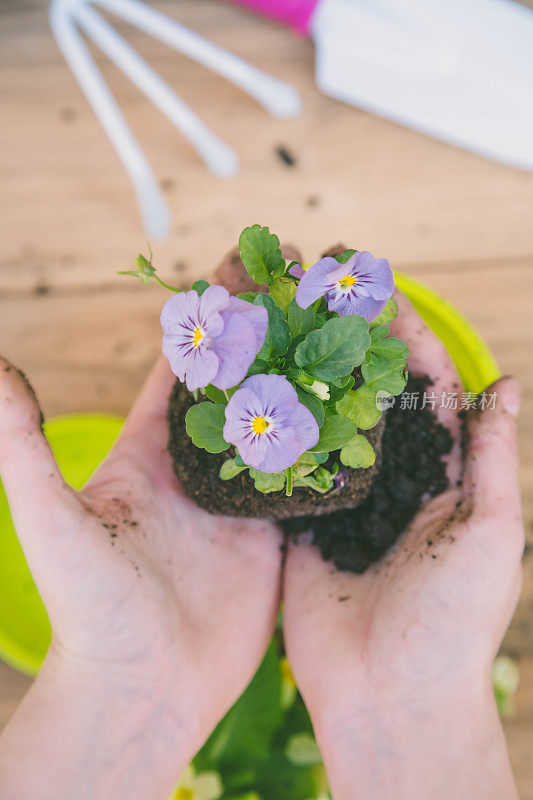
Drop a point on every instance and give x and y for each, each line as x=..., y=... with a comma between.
x=154, y=211
x=218, y=156
x=277, y=96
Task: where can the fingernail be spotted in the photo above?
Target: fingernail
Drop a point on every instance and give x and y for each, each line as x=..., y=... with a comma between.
x=510, y=395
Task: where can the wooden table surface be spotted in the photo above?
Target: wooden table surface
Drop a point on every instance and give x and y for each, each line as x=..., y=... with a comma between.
x=87, y=338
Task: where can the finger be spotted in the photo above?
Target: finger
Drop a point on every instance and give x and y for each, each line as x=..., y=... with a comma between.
x=492, y=463
x=151, y=405
x=35, y=489
x=145, y=429
x=428, y=357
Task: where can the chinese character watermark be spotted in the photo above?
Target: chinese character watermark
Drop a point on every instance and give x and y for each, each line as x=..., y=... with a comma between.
x=451, y=401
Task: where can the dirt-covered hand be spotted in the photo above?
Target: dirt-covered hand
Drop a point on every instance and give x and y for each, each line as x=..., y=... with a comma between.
x=155, y=605
x=394, y=665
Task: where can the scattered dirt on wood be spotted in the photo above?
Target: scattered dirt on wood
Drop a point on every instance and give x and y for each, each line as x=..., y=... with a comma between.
x=286, y=156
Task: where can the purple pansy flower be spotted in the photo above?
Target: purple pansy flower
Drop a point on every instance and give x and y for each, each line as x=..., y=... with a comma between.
x=268, y=424
x=360, y=286
x=213, y=338
x=297, y=271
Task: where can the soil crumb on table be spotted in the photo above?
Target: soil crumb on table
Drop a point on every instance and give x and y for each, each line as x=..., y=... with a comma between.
x=285, y=156
x=414, y=444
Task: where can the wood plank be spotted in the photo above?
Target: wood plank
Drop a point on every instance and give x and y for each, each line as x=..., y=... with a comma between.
x=70, y=217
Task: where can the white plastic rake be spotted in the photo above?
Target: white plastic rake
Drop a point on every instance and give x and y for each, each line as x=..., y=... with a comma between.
x=69, y=17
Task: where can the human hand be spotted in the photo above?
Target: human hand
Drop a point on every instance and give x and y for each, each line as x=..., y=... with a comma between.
x=160, y=612
x=397, y=677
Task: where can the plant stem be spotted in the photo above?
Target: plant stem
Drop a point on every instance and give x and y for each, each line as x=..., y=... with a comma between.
x=288, y=490
x=166, y=285
x=226, y=395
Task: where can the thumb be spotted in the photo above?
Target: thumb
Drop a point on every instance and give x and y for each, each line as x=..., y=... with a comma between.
x=492, y=463
x=33, y=484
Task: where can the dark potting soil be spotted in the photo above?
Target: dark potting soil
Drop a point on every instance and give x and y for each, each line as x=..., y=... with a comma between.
x=412, y=466
x=409, y=467
x=198, y=473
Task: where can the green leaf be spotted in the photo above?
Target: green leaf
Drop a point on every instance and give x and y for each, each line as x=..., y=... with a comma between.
x=391, y=348
x=283, y=291
x=358, y=453
x=245, y=796
x=360, y=406
x=302, y=750
x=267, y=482
x=389, y=313
x=216, y=395
x=257, y=367
x=342, y=383
x=300, y=320
x=143, y=265
x=204, y=423
x=334, y=350
x=321, y=480
x=505, y=681
x=245, y=734
x=229, y=470
x=342, y=258
x=133, y=272
x=336, y=392
x=387, y=374
x=261, y=254
x=248, y=297
x=378, y=333
x=200, y=286
x=279, y=779
x=277, y=337
x=305, y=465
x=312, y=403
x=335, y=432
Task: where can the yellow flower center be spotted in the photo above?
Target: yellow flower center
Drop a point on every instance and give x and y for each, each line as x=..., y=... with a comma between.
x=184, y=794
x=260, y=425
x=198, y=336
x=347, y=281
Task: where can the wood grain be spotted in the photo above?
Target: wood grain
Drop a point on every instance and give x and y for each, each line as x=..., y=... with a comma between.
x=87, y=337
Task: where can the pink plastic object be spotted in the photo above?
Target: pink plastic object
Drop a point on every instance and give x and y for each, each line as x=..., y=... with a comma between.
x=296, y=14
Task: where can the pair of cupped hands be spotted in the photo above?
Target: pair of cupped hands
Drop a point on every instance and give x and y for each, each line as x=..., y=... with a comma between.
x=158, y=629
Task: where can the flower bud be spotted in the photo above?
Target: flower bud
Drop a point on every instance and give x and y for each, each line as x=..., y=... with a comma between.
x=313, y=386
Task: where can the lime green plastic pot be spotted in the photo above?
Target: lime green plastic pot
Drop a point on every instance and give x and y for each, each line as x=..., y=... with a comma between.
x=474, y=362
x=81, y=442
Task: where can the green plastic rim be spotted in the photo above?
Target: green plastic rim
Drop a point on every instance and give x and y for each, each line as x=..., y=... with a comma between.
x=473, y=360
x=81, y=441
